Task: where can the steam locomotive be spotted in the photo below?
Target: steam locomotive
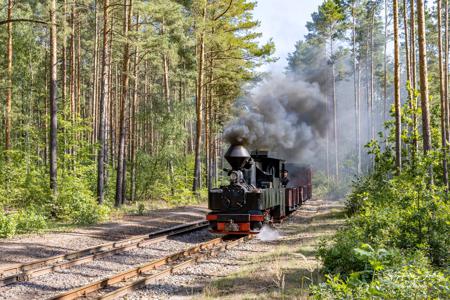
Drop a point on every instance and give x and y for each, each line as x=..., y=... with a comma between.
x=255, y=194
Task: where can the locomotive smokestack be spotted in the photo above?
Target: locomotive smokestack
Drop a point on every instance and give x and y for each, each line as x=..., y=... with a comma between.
x=237, y=156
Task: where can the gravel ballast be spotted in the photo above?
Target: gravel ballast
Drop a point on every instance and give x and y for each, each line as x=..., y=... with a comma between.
x=25, y=248
x=55, y=283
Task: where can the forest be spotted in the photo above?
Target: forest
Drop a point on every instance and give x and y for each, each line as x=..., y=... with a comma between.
x=100, y=101
x=107, y=104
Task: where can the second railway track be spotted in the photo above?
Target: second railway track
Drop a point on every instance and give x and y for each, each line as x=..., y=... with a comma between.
x=33, y=269
x=123, y=283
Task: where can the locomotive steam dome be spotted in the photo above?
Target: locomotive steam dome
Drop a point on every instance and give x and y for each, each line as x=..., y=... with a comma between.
x=237, y=156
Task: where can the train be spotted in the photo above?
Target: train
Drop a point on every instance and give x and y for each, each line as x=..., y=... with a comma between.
x=257, y=193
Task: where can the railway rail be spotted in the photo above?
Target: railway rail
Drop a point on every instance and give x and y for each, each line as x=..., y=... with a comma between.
x=27, y=271
x=123, y=283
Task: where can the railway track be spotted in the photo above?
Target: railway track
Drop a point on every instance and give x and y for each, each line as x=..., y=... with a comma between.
x=123, y=283
x=33, y=269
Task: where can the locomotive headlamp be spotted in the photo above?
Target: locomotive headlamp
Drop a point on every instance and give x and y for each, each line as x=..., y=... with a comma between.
x=234, y=176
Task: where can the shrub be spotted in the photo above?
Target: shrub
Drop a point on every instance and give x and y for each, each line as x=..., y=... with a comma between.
x=337, y=257
x=8, y=225
x=141, y=209
x=29, y=220
x=413, y=279
x=90, y=213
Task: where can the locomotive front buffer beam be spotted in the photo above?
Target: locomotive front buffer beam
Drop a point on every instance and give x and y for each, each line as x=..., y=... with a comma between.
x=237, y=224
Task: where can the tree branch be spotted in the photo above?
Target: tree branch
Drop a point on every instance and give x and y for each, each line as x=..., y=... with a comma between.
x=226, y=10
x=23, y=20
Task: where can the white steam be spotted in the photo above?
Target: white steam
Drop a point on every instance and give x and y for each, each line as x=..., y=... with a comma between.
x=268, y=233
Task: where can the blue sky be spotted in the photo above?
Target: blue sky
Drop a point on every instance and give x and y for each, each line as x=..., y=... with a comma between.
x=284, y=21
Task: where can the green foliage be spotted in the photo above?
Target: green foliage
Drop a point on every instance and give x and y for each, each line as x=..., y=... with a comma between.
x=155, y=182
x=24, y=189
x=30, y=220
x=22, y=181
x=7, y=225
x=22, y=221
x=391, y=277
x=141, y=209
x=395, y=214
x=76, y=201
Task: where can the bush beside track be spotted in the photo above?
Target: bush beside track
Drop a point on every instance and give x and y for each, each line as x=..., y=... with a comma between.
x=395, y=245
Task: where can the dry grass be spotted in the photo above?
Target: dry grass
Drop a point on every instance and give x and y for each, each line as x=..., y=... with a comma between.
x=288, y=267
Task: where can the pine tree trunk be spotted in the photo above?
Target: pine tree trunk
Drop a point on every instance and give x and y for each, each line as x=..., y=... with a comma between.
x=442, y=96
x=166, y=87
x=446, y=104
x=385, y=62
x=412, y=18
x=372, y=91
x=104, y=90
x=78, y=135
x=327, y=146
x=209, y=112
x=166, y=90
x=78, y=59
x=398, y=142
x=9, y=56
x=72, y=63
x=358, y=102
x=407, y=59
x=113, y=110
x=407, y=56
x=120, y=179
x=94, y=80
x=46, y=114
x=64, y=60
x=134, y=133
x=423, y=77
x=199, y=104
x=367, y=87
x=53, y=100
x=327, y=139
x=167, y=97
x=355, y=91
x=335, y=128
x=206, y=132
x=146, y=143
x=151, y=125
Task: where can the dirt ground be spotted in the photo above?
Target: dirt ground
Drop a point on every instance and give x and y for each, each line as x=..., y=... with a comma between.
x=24, y=248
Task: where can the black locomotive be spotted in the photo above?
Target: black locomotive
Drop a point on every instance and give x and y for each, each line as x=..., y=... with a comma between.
x=257, y=192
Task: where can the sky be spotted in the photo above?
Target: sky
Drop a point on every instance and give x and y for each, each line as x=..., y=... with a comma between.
x=284, y=21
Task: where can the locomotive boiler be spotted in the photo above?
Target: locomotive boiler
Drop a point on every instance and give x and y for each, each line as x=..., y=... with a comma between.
x=256, y=193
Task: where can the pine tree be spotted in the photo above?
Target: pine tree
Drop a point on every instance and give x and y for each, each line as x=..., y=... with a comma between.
x=53, y=100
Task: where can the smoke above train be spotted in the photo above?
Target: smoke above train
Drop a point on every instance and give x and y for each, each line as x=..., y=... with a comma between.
x=283, y=115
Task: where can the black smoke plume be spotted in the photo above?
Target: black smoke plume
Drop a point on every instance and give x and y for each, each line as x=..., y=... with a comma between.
x=284, y=115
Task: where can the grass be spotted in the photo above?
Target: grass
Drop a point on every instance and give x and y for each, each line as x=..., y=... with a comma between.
x=287, y=269
x=143, y=207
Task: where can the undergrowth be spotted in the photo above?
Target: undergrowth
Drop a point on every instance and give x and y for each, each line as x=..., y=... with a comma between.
x=395, y=245
x=27, y=204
